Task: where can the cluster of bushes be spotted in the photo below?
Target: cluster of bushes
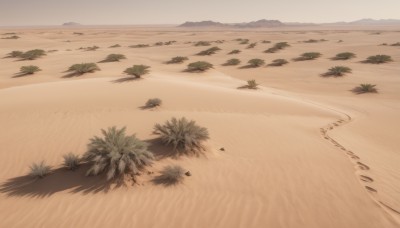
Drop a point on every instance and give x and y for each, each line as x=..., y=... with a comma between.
x=344, y=56
x=137, y=70
x=209, y=51
x=28, y=55
x=178, y=59
x=308, y=56
x=232, y=62
x=277, y=47
x=117, y=154
x=199, y=66
x=114, y=58
x=82, y=68
x=25, y=70
x=378, y=59
x=255, y=62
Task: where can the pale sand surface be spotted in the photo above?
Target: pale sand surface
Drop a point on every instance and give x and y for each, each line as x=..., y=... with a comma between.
x=283, y=165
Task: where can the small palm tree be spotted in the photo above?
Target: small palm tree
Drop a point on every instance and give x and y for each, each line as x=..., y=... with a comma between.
x=378, y=59
x=344, y=56
x=117, y=154
x=177, y=59
x=199, y=66
x=137, y=70
x=29, y=69
x=39, y=170
x=338, y=71
x=365, y=88
x=183, y=135
x=71, y=161
x=256, y=62
x=232, y=62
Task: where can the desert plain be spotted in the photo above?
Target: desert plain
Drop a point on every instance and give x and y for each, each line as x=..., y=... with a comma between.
x=302, y=150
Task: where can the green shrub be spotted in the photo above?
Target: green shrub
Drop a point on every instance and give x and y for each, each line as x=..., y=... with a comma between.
x=232, y=62
x=278, y=62
x=115, y=46
x=177, y=59
x=137, y=70
x=154, y=102
x=308, y=56
x=114, y=57
x=209, y=51
x=252, y=45
x=32, y=54
x=256, y=62
x=29, y=69
x=171, y=175
x=83, y=68
x=236, y=51
x=277, y=47
x=14, y=54
x=71, y=161
x=252, y=84
x=117, y=154
x=39, y=170
x=199, y=66
x=338, y=71
x=378, y=59
x=202, y=43
x=365, y=88
x=183, y=135
x=344, y=56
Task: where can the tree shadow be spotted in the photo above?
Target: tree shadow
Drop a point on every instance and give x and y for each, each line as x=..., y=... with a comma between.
x=162, y=151
x=19, y=75
x=163, y=180
x=126, y=79
x=248, y=67
x=59, y=180
x=358, y=90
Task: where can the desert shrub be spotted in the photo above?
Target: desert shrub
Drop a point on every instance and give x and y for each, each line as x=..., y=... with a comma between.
x=209, y=51
x=365, y=88
x=311, y=41
x=378, y=59
x=232, y=62
x=244, y=41
x=117, y=154
x=308, y=56
x=14, y=54
x=32, y=54
x=337, y=71
x=202, y=43
x=29, y=69
x=395, y=44
x=278, y=46
x=171, y=175
x=199, y=66
x=219, y=41
x=177, y=59
x=236, y=51
x=71, y=161
x=183, y=135
x=278, y=62
x=153, y=102
x=256, y=62
x=158, y=44
x=39, y=170
x=114, y=57
x=115, y=46
x=169, y=42
x=83, y=68
x=252, y=45
x=137, y=70
x=11, y=37
x=78, y=33
x=265, y=41
x=139, y=46
x=344, y=56
x=252, y=84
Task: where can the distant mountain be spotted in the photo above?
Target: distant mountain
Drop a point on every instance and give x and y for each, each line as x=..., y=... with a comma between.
x=254, y=24
x=202, y=24
x=71, y=24
x=369, y=21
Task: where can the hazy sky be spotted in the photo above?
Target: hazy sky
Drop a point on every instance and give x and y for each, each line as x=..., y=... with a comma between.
x=92, y=12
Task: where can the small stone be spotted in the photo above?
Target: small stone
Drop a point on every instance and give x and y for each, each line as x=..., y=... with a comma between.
x=188, y=174
x=222, y=149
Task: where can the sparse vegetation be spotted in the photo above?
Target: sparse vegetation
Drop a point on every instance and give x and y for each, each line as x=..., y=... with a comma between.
x=29, y=69
x=114, y=58
x=252, y=45
x=153, y=102
x=256, y=62
x=378, y=59
x=11, y=37
x=199, y=66
x=277, y=47
x=232, y=62
x=117, y=154
x=344, y=56
x=365, y=88
x=115, y=46
x=177, y=59
x=171, y=175
x=71, y=161
x=252, y=84
x=278, y=62
x=202, y=43
x=308, y=56
x=337, y=71
x=159, y=44
x=183, y=135
x=265, y=41
x=139, y=46
x=83, y=68
x=39, y=170
x=92, y=48
x=236, y=51
x=14, y=54
x=32, y=54
x=137, y=70
x=78, y=33
x=244, y=41
x=396, y=44
x=209, y=51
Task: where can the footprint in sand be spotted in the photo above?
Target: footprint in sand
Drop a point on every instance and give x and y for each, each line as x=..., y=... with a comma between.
x=362, y=166
x=366, y=178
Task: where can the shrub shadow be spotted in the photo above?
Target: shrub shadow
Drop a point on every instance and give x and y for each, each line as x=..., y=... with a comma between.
x=358, y=90
x=161, y=151
x=126, y=79
x=19, y=75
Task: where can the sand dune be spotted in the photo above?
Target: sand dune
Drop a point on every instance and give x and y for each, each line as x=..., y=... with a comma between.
x=302, y=151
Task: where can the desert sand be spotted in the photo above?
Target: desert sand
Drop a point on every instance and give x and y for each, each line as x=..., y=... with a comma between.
x=301, y=151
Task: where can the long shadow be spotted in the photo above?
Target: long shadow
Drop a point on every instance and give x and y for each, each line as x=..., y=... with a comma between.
x=19, y=75
x=126, y=79
x=59, y=180
x=359, y=90
x=71, y=75
x=163, y=180
x=248, y=67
